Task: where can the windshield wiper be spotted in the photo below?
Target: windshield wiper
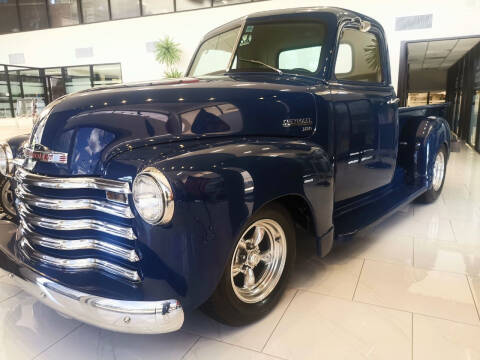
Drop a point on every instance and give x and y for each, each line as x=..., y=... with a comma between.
x=263, y=64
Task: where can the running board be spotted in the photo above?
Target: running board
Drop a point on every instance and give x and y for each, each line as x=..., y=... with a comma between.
x=350, y=223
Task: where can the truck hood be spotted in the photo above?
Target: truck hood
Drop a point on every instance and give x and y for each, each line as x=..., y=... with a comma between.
x=93, y=125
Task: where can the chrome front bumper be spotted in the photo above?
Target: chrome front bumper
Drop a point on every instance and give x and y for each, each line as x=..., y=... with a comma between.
x=136, y=317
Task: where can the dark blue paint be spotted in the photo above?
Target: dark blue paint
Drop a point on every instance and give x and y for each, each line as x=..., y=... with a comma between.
x=206, y=135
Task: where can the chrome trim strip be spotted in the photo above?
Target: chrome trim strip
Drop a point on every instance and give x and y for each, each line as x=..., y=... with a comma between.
x=77, y=264
x=23, y=176
x=115, y=209
x=134, y=317
x=80, y=224
x=77, y=244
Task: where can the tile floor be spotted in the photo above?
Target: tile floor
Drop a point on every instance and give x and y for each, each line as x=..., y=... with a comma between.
x=409, y=289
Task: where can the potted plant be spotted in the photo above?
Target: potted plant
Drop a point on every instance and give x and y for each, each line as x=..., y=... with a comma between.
x=168, y=53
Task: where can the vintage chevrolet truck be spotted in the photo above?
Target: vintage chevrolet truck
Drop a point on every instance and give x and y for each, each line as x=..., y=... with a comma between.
x=138, y=203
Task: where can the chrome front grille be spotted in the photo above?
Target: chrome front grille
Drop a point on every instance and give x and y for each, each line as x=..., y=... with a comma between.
x=60, y=230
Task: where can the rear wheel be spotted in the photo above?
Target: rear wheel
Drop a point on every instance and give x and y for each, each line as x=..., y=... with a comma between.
x=257, y=271
x=438, y=177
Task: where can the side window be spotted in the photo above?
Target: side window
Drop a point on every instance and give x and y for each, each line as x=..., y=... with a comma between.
x=359, y=57
x=303, y=58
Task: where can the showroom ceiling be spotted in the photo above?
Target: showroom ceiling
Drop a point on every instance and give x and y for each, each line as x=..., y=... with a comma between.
x=438, y=54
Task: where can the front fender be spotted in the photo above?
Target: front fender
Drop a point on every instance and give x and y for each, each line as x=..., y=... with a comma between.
x=217, y=187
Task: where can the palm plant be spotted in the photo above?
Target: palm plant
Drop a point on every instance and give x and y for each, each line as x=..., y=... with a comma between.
x=168, y=53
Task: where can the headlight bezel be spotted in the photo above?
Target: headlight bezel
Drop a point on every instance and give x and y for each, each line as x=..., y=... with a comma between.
x=7, y=151
x=166, y=192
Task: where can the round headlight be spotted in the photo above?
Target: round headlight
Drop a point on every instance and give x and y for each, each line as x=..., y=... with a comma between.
x=153, y=197
x=6, y=160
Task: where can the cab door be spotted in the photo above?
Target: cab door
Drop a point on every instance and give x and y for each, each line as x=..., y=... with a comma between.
x=365, y=114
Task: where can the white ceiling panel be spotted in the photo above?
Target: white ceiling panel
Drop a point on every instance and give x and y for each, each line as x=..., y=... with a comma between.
x=466, y=44
x=438, y=54
x=441, y=45
x=417, y=49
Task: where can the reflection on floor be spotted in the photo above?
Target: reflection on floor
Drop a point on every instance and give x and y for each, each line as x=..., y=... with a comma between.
x=408, y=289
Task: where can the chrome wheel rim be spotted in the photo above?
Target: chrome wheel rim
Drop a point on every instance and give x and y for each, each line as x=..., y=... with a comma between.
x=7, y=198
x=258, y=261
x=438, y=171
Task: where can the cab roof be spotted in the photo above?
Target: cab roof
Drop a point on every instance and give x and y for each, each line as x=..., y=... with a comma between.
x=339, y=13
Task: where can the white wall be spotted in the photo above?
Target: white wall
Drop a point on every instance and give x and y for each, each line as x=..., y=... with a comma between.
x=124, y=41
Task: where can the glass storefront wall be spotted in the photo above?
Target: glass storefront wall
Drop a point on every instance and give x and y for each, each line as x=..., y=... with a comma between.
x=228, y=2
x=44, y=85
x=474, y=118
x=78, y=78
x=152, y=7
x=108, y=74
x=18, y=82
x=26, y=15
x=95, y=11
x=192, y=4
x=63, y=12
x=33, y=14
x=5, y=110
x=463, y=94
x=9, y=17
x=122, y=9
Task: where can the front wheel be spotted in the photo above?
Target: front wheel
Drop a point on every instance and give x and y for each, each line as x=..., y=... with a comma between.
x=6, y=198
x=438, y=177
x=257, y=271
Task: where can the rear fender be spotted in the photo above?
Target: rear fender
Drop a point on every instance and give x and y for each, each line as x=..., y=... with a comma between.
x=431, y=133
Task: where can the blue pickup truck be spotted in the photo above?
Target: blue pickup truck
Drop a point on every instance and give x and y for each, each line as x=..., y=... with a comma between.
x=138, y=203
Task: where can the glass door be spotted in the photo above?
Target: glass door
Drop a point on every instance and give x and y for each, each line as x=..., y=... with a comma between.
x=472, y=138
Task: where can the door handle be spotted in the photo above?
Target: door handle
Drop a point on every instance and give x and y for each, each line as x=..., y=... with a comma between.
x=393, y=101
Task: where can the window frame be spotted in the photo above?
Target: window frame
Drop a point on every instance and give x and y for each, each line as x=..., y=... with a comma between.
x=385, y=69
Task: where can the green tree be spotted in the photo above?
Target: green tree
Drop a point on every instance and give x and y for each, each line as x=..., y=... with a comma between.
x=168, y=53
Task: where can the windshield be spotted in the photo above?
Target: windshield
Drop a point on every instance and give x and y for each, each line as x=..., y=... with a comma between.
x=282, y=47
x=291, y=47
x=214, y=54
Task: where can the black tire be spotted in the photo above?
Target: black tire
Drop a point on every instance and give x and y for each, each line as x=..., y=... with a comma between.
x=6, y=199
x=432, y=194
x=224, y=305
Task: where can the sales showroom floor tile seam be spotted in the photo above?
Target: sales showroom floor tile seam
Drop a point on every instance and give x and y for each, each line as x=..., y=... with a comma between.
x=412, y=339
x=477, y=324
x=190, y=349
x=10, y=297
x=473, y=295
x=419, y=238
x=358, y=279
x=191, y=346
x=56, y=342
x=297, y=291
